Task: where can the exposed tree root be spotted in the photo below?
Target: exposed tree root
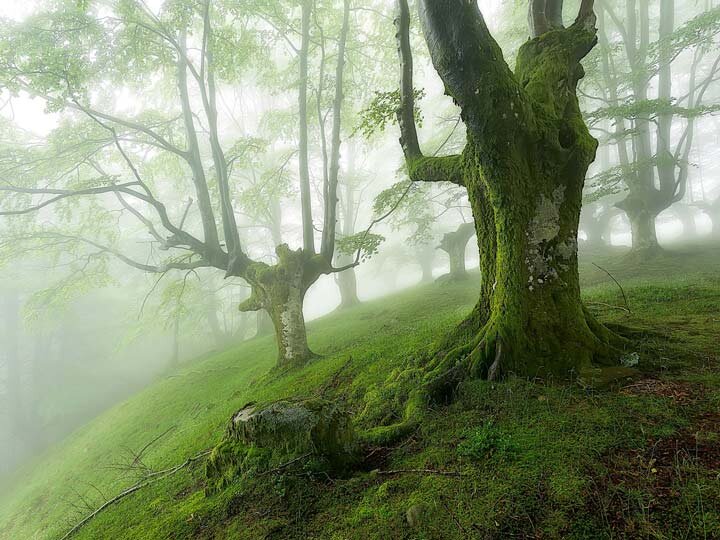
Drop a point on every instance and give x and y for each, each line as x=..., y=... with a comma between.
x=487, y=356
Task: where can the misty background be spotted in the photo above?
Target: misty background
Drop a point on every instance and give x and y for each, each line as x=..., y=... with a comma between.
x=80, y=330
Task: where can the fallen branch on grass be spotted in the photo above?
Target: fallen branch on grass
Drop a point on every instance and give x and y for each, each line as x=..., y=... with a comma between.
x=420, y=471
x=622, y=291
x=149, y=479
x=603, y=304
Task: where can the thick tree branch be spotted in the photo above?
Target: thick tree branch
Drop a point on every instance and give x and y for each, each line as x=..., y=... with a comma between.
x=537, y=18
x=180, y=235
x=420, y=168
x=61, y=194
x=170, y=265
x=194, y=159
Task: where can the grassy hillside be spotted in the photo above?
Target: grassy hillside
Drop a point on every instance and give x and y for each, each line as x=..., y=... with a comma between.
x=639, y=458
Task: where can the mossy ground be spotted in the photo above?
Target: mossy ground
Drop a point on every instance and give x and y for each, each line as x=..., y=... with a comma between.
x=636, y=459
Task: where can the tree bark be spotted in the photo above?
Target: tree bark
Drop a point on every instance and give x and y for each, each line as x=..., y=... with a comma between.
x=524, y=168
x=331, y=199
x=597, y=226
x=347, y=280
x=280, y=290
x=712, y=211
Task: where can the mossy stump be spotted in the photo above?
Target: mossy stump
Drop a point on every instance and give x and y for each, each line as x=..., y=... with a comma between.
x=314, y=434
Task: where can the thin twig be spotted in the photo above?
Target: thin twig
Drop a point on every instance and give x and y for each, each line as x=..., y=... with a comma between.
x=138, y=456
x=420, y=471
x=608, y=306
x=334, y=379
x=627, y=306
x=285, y=465
x=453, y=516
x=148, y=480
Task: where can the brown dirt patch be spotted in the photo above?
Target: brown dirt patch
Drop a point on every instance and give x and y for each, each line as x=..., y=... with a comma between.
x=680, y=392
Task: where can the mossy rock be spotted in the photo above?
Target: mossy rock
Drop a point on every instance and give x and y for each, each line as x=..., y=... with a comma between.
x=261, y=438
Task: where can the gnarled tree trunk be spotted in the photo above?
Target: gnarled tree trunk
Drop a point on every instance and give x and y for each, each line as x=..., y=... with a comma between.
x=524, y=168
x=280, y=290
x=454, y=244
x=642, y=227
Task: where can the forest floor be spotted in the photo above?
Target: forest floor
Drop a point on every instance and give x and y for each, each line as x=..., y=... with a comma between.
x=639, y=458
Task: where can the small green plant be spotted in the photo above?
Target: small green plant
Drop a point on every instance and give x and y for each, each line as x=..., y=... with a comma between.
x=485, y=441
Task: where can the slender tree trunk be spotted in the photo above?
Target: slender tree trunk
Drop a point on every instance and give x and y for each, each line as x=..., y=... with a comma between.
x=12, y=362
x=347, y=284
x=593, y=229
x=175, y=350
x=305, y=199
x=36, y=389
x=330, y=219
x=219, y=335
x=686, y=215
x=712, y=211
x=347, y=280
x=426, y=259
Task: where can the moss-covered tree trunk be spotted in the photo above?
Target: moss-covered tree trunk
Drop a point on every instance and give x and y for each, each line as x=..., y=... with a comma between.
x=524, y=168
x=537, y=325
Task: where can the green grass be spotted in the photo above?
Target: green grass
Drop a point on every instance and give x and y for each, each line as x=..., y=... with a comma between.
x=538, y=459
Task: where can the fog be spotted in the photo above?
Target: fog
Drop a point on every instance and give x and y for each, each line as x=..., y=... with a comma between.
x=109, y=185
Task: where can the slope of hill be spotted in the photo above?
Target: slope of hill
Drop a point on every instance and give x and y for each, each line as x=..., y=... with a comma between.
x=518, y=459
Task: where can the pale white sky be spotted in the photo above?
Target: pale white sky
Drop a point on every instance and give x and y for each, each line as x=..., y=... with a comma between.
x=29, y=113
